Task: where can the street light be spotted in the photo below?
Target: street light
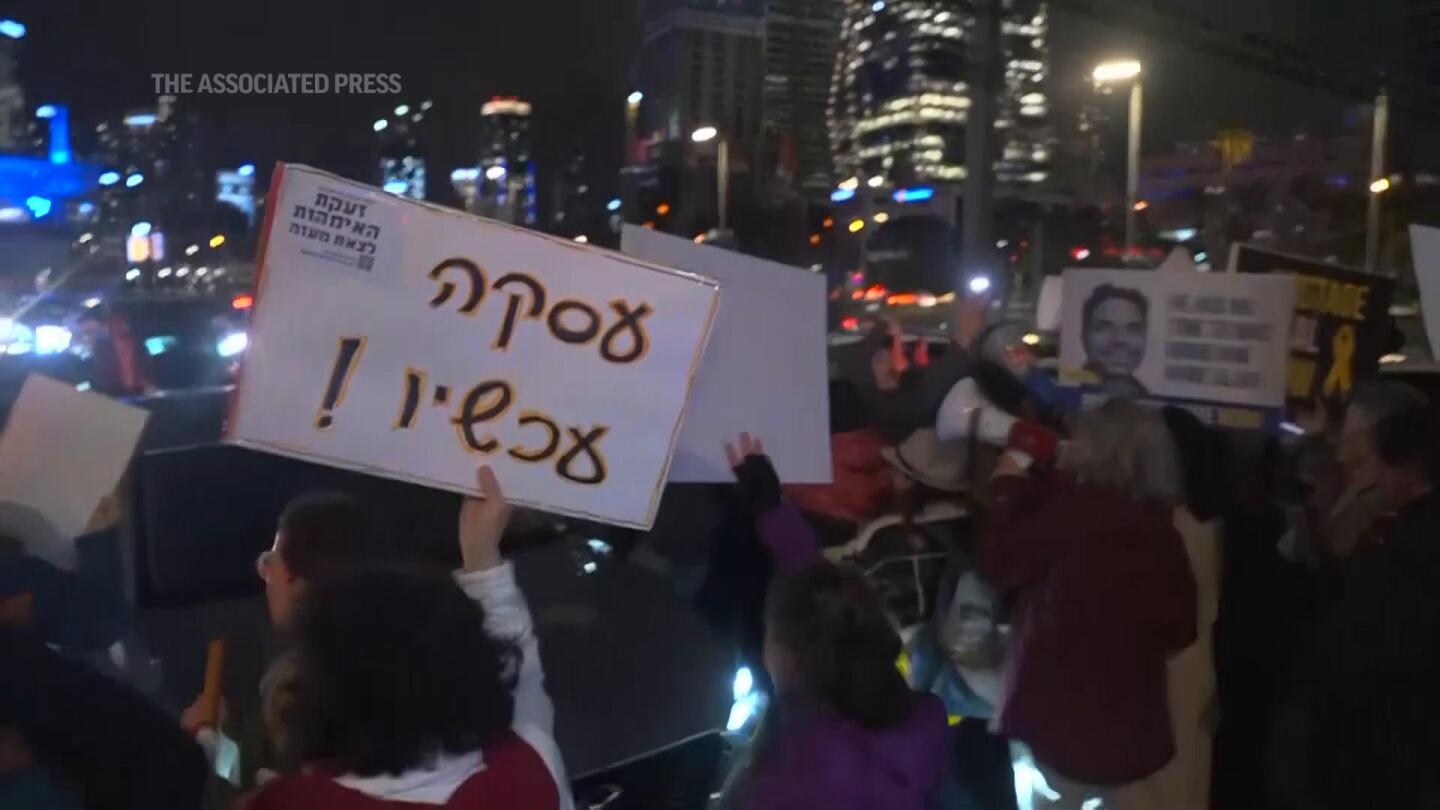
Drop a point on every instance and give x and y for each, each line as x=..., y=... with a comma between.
x=706, y=134
x=1120, y=73
x=635, y=98
x=1380, y=186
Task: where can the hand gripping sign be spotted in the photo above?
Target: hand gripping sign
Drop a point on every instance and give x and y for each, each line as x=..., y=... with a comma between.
x=414, y=342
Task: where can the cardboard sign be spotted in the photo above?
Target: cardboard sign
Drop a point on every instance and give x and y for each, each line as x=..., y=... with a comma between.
x=416, y=342
x=63, y=450
x=764, y=370
x=1425, y=246
x=1342, y=320
x=1214, y=343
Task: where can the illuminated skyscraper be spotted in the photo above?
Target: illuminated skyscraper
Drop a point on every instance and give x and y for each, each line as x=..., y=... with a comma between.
x=900, y=97
x=13, y=123
x=800, y=41
x=506, y=183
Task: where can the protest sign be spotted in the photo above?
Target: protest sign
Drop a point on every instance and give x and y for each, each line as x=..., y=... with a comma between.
x=62, y=452
x=1214, y=343
x=1341, y=324
x=764, y=370
x=416, y=342
x=1425, y=247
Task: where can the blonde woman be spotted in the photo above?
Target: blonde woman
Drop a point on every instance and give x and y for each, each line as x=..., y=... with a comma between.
x=1103, y=596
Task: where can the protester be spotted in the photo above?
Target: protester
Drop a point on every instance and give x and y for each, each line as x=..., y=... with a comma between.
x=861, y=487
x=1372, y=725
x=1103, y=594
x=900, y=400
x=845, y=731
x=319, y=535
x=99, y=743
x=407, y=693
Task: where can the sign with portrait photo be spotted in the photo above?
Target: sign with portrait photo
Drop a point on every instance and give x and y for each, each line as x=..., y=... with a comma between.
x=1342, y=323
x=1215, y=343
x=417, y=342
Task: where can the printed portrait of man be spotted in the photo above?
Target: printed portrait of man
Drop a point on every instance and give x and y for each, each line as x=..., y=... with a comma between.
x=1114, y=325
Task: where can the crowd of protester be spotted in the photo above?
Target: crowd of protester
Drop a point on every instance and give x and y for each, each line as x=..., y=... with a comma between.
x=996, y=604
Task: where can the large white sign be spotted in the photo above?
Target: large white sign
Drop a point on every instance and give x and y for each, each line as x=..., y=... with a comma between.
x=1216, y=342
x=1425, y=246
x=63, y=450
x=417, y=342
x=764, y=370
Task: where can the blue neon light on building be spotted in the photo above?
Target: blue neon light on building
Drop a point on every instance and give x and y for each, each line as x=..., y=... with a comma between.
x=59, y=116
x=842, y=194
x=12, y=29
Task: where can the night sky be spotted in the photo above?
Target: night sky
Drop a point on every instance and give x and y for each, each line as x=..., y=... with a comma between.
x=566, y=56
x=572, y=58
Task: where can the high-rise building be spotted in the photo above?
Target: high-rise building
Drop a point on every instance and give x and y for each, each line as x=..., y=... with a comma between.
x=702, y=64
x=13, y=123
x=506, y=182
x=900, y=96
x=403, y=160
x=801, y=37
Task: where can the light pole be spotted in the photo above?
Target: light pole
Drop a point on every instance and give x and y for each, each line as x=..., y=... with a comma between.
x=1379, y=183
x=722, y=167
x=1111, y=73
x=632, y=122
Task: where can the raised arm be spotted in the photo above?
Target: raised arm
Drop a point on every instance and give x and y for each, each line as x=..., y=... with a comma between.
x=787, y=536
x=490, y=580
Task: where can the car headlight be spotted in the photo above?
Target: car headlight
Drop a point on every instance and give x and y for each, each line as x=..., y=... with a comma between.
x=16, y=337
x=232, y=344
x=51, y=339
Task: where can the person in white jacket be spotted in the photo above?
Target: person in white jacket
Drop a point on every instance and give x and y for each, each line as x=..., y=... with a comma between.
x=521, y=768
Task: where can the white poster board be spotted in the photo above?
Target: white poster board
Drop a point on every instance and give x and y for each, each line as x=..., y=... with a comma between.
x=1425, y=247
x=764, y=370
x=62, y=451
x=416, y=342
x=1218, y=343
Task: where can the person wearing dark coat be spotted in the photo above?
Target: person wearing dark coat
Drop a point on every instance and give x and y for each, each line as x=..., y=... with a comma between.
x=1373, y=734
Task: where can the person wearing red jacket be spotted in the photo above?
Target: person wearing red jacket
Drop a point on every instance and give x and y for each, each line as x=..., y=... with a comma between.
x=1103, y=595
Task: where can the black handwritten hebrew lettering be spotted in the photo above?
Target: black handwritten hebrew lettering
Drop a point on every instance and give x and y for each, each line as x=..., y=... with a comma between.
x=358, y=228
x=512, y=309
x=410, y=404
x=367, y=247
x=557, y=322
x=296, y=229
x=484, y=402
x=354, y=209
x=317, y=216
x=586, y=443
x=473, y=275
x=629, y=326
x=552, y=441
x=346, y=359
x=372, y=231
x=301, y=212
x=334, y=204
x=322, y=200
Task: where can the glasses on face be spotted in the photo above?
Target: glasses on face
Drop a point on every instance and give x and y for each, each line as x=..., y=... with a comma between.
x=263, y=562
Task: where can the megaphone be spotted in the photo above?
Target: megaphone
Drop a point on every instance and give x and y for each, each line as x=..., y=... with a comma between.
x=966, y=414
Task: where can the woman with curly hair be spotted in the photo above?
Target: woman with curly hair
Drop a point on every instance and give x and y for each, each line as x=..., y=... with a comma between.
x=406, y=693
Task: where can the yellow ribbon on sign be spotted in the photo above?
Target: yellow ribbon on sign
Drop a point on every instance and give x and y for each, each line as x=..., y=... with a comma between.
x=1342, y=352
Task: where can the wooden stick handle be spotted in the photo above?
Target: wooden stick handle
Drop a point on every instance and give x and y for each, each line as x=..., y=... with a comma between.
x=210, y=698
